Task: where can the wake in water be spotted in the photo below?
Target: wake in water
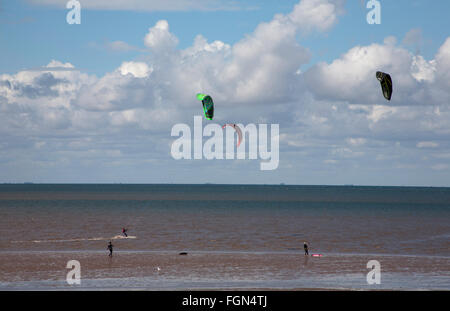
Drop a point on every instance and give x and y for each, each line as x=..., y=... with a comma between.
x=116, y=237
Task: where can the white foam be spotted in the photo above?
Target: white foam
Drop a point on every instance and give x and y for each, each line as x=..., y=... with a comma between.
x=122, y=237
x=81, y=239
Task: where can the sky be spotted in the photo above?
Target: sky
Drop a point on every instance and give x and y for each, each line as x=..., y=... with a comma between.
x=96, y=102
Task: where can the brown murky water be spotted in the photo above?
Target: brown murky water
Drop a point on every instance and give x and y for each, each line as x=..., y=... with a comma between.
x=235, y=236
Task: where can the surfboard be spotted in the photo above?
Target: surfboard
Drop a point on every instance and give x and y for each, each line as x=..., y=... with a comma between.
x=316, y=255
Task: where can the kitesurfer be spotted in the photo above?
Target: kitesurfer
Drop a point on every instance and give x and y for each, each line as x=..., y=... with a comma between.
x=305, y=246
x=110, y=248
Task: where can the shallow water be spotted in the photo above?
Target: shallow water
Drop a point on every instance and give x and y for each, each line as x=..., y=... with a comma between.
x=236, y=236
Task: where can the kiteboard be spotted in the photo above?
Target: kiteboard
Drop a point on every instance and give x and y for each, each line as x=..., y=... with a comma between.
x=122, y=237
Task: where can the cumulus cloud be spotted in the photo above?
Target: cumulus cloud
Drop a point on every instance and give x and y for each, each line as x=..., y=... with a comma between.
x=316, y=14
x=261, y=68
x=38, y=99
x=333, y=113
x=352, y=76
x=443, y=64
x=423, y=70
x=136, y=69
x=57, y=64
x=159, y=37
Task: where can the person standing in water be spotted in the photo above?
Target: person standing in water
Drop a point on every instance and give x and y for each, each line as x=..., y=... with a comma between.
x=124, y=231
x=110, y=248
x=305, y=246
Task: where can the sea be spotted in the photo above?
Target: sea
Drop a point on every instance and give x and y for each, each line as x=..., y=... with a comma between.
x=234, y=237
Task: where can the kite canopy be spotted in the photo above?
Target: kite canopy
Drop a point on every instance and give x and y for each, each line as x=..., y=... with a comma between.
x=238, y=131
x=386, y=84
x=200, y=96
x=208, y=105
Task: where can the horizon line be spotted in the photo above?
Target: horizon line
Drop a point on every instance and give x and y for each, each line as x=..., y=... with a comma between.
x=218, y=184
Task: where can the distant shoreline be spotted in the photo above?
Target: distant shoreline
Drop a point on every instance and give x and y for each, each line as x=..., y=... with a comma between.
x=219, y=184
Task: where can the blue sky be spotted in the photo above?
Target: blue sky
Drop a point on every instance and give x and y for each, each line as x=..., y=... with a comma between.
x=33, y=34
x=96, y=102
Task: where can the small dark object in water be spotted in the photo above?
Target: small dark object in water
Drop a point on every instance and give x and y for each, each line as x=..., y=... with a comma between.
x=182, y=253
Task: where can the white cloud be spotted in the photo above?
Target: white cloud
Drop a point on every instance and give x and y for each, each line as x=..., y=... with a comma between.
x=381, y=112
x=159, y=38
x=356, y=141
x=260, y=68
x=423, y=70
x=316, y=14
x=58, y=64
x=443, y=64
x=121, y=46
x=352, y=76
x=331, y=113
x=346, y=152
x=201, y=45
x=427, y=144
x=137, y=69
